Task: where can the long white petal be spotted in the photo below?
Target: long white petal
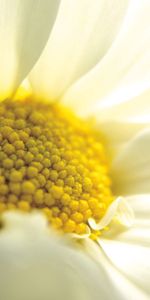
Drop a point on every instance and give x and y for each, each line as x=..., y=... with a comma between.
x=83, y=33
x=38, y=265
x=126, y=289
x=135, y=109
x=124, y=72
x=129, y=251
x=131, y=168
x=24, y=29
x=117, y=133
x=121, y=122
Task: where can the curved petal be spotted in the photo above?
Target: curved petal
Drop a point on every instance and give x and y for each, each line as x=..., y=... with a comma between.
x=129, y=251
x=124, y=71
x=135, y=109
x=139, y=233
x=121, y=122
x=118, y=209
x=125, y=287
x=131, y=168
x=38, y=265
x=24, y=29
x=117, y=133
x=83, y=32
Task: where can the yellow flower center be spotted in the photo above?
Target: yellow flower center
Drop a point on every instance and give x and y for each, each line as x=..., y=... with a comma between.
x=52, y=161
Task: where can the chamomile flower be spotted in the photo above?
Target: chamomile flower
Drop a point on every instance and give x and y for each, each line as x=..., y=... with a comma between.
x=74, y=149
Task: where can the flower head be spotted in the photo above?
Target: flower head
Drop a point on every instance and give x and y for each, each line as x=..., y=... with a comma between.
x=74, y=150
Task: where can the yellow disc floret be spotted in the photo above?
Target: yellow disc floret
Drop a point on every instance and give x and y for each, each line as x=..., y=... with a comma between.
x=52, y=161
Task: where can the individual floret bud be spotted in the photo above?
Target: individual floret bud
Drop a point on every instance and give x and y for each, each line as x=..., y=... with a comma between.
x=28, y=157
x=13, y=137
x=15, y=188
x=32, y=172
x=8, y=163
x=37, y=118
x=28, y=187
x=8, y=148
x=24, y=136
x=39, y=196
x=16, y=176
x=56, y=191
x=6, y=131
x=20, y=124
x=19, y=145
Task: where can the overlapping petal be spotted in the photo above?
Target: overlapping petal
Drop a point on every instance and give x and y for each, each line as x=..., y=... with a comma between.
x=129, y=250
x=126, y=289
x=37, y=265
x=117, y=133
x=123, y=72
x=131, y=168
x=133, y=110
x=34, y=261
x=83, y=33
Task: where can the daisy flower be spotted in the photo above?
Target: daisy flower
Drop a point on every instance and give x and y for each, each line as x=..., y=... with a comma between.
x=74, y=149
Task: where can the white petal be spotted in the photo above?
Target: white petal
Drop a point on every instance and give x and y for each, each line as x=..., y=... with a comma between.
x=36, y=264
x=124, y=71
x=139, y=233
x=83, y=33
x=24, y=29
x=117, y=133
x=129, y=251
x=131, y=168
x=126, y=289
x=135, y=109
